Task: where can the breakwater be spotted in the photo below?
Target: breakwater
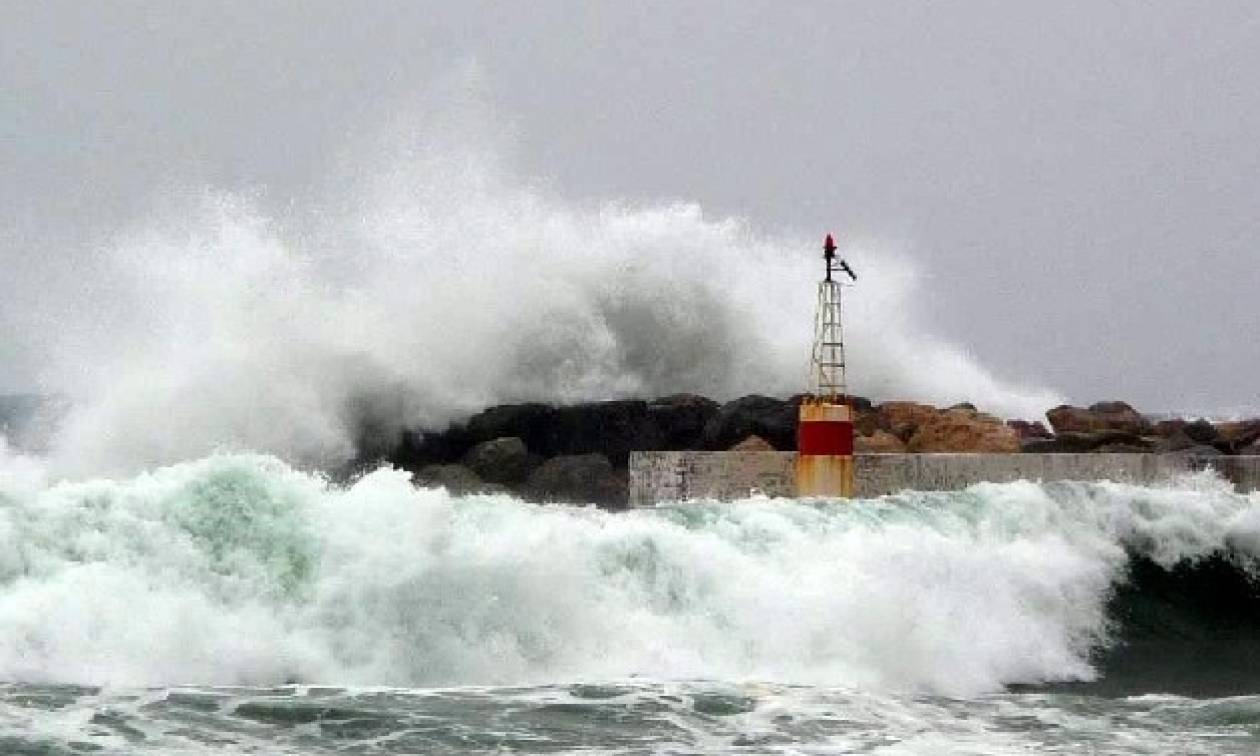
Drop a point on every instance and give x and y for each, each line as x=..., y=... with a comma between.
x=580, y=453
x=663, y=476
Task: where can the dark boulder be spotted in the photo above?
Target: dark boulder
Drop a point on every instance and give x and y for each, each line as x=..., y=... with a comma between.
x=457, y=479
x=578, y=479
x=681, y=419
x=501, y=460
x=613, y=429
x=1199, y=450
x=865, y=416
x=1168, y=428
x=1174, y=441
x=755, y=415
x=416, y=449
x=1029, y=429
x=533, y=423
x=1079, y=443
x=1201, y=432
x=409, y=454
x=858, y=403
x=1041, y=446
x=1120, y=448
x=1181, y=441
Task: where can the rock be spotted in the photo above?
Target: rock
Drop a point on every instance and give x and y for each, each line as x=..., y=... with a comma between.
x=1176, y=436
x=613, y=429
x=963, y=431
x=1117, y=439
x=772, y=419
x=533, y=423
x=681, y=420
x=1168, y=428
x=501, y=460
x=753, y=444
x=1234, y=436
x=1199, y=450
x=578, y=479
x=1120, y=416
x=418, y=449
x=902, y=419
x=1201, y=432
x=1073, y=442
x=1103, y=416
x=879, y=442
x=859, y=404
x=457, y=479
x=1029, y=429
x=1121, y=448
x=866, y=422
x=1174, y=441
x=1041, y=446
x=1068, y=419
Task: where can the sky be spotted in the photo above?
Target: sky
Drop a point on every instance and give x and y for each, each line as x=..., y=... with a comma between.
x=1078, y=183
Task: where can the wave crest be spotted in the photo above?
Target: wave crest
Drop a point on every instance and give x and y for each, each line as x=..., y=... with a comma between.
x=241, y=570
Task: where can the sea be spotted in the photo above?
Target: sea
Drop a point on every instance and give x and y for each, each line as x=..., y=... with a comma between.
x=238, y=605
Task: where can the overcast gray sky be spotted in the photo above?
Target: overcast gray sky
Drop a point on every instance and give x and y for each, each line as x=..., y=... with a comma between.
x=1078, y=181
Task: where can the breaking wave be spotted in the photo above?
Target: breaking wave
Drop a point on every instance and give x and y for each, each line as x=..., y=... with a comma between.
x=431, y=280
x=238, y=569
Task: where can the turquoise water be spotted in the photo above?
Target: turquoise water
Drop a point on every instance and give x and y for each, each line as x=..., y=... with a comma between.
x=236, y=605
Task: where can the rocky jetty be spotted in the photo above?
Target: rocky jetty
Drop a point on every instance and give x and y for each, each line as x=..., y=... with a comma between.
x=578, y=453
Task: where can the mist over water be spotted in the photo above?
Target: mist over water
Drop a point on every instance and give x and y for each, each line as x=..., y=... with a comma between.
x=427, y=280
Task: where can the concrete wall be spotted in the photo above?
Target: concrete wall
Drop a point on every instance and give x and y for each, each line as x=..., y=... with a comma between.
x=679, y=476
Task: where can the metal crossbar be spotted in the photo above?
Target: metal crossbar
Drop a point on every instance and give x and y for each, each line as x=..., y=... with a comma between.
x=827, y=370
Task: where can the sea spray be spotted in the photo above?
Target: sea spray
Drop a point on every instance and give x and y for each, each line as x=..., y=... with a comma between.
x=429, y=282
x=237, y=569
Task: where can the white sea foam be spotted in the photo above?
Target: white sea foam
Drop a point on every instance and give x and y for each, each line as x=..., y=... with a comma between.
x=432, y=280
x=241, y=570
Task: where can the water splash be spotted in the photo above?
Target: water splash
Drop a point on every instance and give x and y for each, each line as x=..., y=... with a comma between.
x=241, y=570
x=430, y=281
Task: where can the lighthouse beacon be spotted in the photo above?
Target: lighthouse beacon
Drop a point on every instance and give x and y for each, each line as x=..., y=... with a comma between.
x=824, y=440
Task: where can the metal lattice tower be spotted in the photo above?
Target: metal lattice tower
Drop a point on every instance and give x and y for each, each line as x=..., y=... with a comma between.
x=827, y=362
x=828, y=367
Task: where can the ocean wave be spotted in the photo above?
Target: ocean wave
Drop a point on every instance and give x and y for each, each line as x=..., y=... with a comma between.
x=239, y=569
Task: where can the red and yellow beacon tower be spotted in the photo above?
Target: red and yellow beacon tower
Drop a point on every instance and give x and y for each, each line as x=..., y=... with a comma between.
x=824, y=434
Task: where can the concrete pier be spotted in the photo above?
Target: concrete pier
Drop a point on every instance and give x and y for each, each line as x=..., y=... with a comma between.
x=657, y=477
